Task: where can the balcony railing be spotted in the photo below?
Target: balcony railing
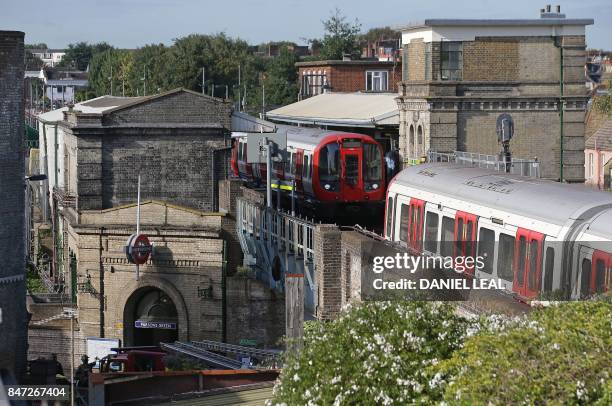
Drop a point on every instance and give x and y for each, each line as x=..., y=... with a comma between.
x=524, y=167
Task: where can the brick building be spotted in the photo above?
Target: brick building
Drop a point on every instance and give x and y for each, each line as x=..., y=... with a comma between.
x=363, y=75
x=178, y=141
x=13, y=322
x=459, y=75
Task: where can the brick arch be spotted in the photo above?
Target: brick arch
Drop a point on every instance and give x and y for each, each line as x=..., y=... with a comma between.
x=165, y=286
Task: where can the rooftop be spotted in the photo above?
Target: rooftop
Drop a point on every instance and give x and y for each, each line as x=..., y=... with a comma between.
x=602, y=138
x=341, y=109
x=453, y=22
x=94, y=106
x=343, y=62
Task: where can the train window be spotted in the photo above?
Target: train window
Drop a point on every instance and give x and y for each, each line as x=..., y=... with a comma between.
x=244, y=151
x=352, y=169
x=431, y=231
x=550, y=265
x=239, y=150
x=486, y=249
x=505, y=257
x=459, y=236
x=585, y=278
x=293, y=163
x=404, y=219
x=329, y=164
x=447, y=236
x=522, y=246
x=372, y=163
x=305, y=167
x=532, y=277
x=600, y=276
x=389, y=215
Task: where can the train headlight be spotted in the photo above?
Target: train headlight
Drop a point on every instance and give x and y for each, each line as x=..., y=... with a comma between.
x=375, y=186
x=327, y=186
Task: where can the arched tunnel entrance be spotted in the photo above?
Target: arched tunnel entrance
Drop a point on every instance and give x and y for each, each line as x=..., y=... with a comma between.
x=150, y=318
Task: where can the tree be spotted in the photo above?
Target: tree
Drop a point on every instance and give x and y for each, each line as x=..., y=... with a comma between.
x=32, y=62
x=79, y=55
x=40, y=45
x=281, y=78
x=340, y=37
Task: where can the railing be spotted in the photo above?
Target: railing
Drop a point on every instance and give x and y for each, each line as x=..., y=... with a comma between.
x=266, y=234
x=524, y=167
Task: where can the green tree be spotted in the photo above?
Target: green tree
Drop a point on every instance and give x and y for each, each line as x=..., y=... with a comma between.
x=281, y=79
x=557, y=355
x=341, y=37
x=40, y=45
x=78, y=55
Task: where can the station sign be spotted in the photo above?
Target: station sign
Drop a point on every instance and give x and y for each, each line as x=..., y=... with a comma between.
x=164, y=325
x=138, y=249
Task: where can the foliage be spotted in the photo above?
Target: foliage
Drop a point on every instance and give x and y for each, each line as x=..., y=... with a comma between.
x=32, y=62
x=559, y=354
x=79, y=55
x=603, y=104
x=40, y=45
x=175, y=362
x=341, y=37
x=33, y=282
x=380, y=33
x=375, y=353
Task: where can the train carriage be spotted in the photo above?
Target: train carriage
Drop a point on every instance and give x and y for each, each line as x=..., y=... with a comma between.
x=536, y=236
x=330, y=168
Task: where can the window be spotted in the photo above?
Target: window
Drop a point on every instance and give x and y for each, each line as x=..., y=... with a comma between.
x=550, y=267
x=532, y=277
x=372, y=163
x=293, y=163
x=389, y=216
x=522, y=255
x=600, y=276
x=451, y=58
x=486, y=249
x=591, y=169
x=505, y=257
x=313, y=83
x=351, y=175
x=431, y=231
x=447, y=236
x=404, y=219
x=377, y=81
x=329, y=166
x=585, y=278
x=305, y=167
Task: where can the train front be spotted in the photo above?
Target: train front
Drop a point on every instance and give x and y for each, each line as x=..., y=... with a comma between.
x=349, y=172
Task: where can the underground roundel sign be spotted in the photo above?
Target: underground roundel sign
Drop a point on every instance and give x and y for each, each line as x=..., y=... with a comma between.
x=138, y=249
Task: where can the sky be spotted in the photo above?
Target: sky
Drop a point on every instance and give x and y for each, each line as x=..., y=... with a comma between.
x=134, y=23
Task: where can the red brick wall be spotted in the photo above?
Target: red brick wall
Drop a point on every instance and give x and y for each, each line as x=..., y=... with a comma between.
x=352, y=77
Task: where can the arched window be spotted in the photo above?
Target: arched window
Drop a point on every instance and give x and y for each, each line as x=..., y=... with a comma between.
x=421, y=146
x=411, y=152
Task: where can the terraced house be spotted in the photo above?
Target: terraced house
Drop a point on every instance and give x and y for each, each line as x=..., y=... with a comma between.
x=460, y=75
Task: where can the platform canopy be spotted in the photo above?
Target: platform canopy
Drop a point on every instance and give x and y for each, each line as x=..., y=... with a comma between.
x=341, y=110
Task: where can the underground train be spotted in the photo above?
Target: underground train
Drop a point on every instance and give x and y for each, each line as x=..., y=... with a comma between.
x=535, y=236
x=331, y=169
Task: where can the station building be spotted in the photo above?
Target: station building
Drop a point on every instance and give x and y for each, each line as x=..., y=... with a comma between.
x=178, y=142
x=458, y=76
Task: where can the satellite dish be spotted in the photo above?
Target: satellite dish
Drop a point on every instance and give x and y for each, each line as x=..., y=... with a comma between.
x=504, y=127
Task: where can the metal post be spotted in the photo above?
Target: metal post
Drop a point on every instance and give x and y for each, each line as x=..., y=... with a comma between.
x=293, y=197
x=268, y=173
x=239, y=90
x=138, y=223
x=203, y=79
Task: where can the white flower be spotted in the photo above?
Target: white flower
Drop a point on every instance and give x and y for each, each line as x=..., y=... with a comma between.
x=556, y=346
x=335, y=380
x=296, y=377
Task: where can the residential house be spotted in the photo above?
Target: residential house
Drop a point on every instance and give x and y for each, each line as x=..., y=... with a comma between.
x=598, y=157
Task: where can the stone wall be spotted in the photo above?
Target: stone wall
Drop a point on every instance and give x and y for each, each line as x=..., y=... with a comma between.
x=13, y=339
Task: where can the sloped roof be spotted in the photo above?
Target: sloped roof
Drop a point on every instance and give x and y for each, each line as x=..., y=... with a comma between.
x=94, y=106
x=341, y=109
x=602, y=138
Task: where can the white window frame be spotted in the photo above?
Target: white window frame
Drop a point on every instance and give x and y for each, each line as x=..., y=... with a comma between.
x=369, y=83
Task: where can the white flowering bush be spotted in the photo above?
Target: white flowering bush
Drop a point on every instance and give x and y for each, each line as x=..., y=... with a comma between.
x=558, y=355
x=376, y=353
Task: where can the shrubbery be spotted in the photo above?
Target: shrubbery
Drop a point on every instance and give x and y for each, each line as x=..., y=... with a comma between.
x=420, y=352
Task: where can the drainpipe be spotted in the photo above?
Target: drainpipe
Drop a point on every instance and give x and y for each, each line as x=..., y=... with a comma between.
x=101, y=292
x=559, y=45
x=224, y=294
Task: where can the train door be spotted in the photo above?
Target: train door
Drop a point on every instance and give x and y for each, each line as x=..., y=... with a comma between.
x=527, y=262
x=415, y=224
x=465, y=238
x=601, y=272
x=299, y=164
x=352, y=181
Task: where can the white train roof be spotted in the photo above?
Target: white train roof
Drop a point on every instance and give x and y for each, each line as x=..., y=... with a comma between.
x=534, y=198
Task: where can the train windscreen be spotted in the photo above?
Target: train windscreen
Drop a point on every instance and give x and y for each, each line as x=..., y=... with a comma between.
x=329, y=166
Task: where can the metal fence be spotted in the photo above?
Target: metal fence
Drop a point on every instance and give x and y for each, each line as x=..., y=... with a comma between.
x=269, y=237
x=524, y=167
